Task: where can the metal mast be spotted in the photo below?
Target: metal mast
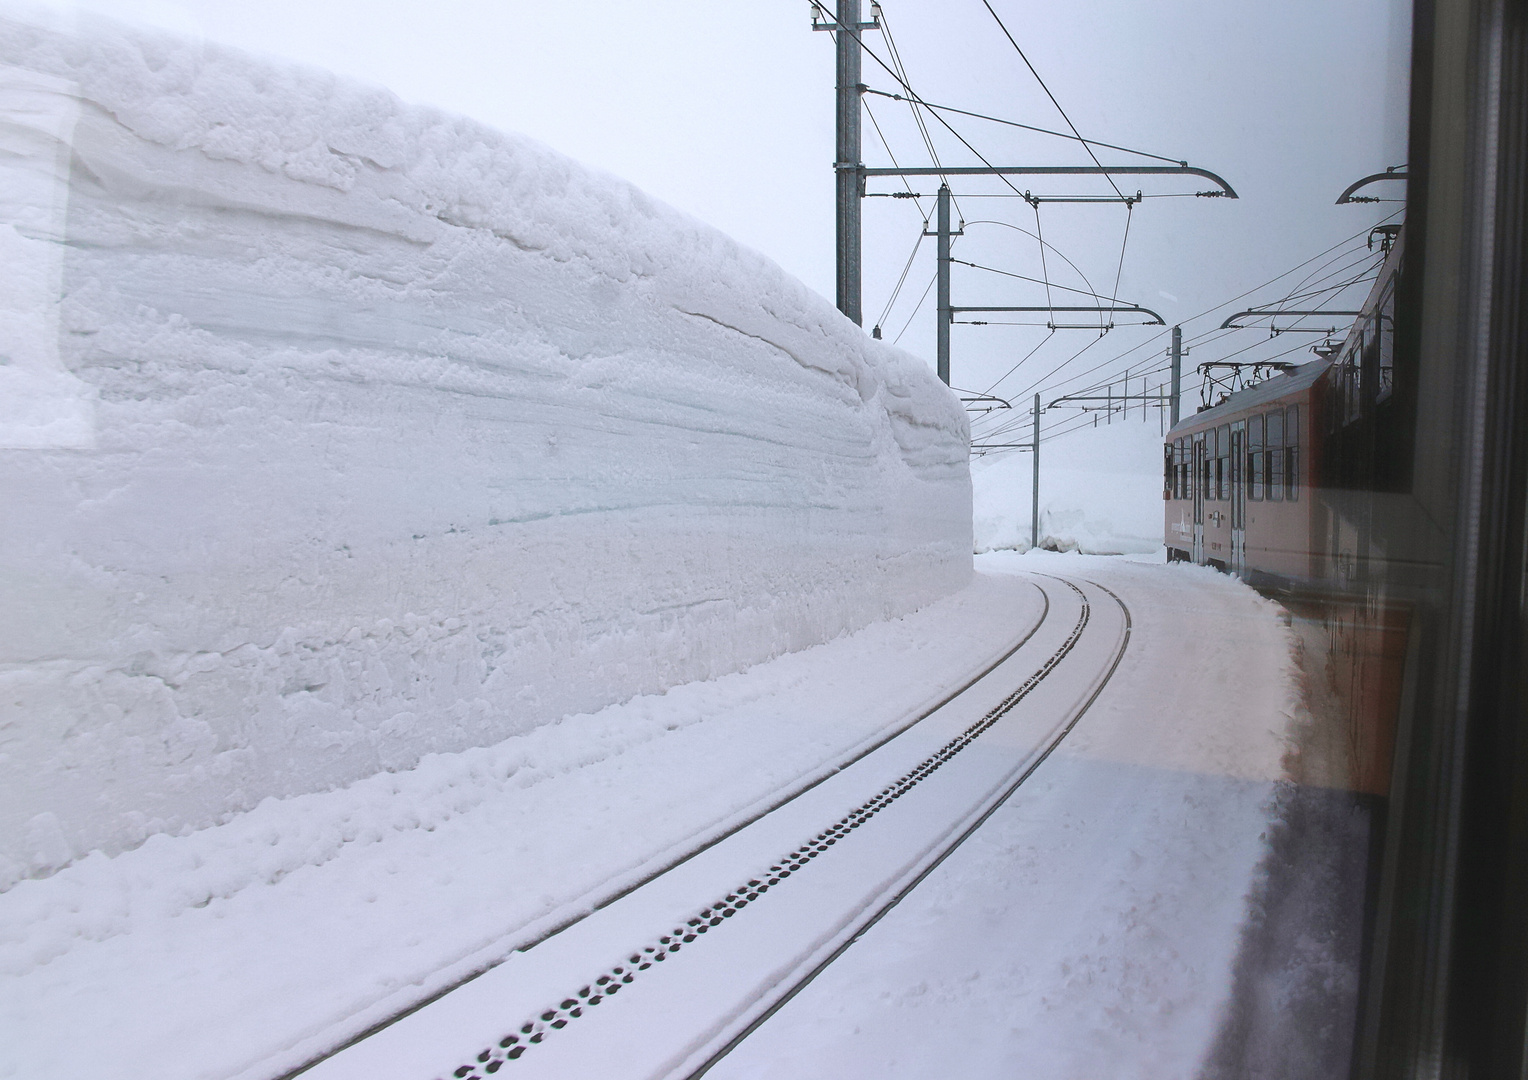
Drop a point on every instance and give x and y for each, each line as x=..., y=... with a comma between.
x=847, y=162
x=1034, y=492
x=944, y=316
x=1177, y=390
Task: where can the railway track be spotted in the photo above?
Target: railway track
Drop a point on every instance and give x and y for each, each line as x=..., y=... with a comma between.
x=857, y=838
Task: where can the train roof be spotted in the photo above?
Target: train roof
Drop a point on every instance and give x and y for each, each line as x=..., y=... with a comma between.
x=1269, y=390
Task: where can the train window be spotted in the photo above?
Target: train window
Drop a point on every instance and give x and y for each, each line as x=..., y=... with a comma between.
x=1223, y=461
x=1292, y=453
x=1255, y=457
x=1274, y=434
x=1207, y=486
x=1352, y=386
x=1386, y=346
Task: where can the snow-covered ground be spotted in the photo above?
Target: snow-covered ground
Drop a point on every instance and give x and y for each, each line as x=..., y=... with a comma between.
x=312, y=917
x=1100, y=490
x=335, y=433
x=1088, y=928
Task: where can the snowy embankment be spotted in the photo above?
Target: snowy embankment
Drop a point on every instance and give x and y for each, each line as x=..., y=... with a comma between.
x=1090, y=927
x=245, y=949
x=1100, y=492
x=335, y=433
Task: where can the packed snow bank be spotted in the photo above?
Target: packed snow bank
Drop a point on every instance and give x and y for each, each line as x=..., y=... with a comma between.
x=1100, y=492
x=245, y=949
x=337, y=432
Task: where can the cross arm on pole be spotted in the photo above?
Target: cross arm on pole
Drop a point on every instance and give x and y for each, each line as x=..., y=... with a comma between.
x=1102, y=397
x=1156, y=320
x=1255, y=311
x=1389, y=174
x=1225, y=191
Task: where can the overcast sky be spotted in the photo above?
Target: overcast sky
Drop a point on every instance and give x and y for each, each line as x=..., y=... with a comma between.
x=725, y=109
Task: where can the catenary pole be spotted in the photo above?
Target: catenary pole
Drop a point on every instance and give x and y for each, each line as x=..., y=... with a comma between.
x=847, y=163
x=1177, y=390
x=1034, y=494
x=944, y=316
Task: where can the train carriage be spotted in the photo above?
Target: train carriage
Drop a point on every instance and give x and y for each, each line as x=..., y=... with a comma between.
x=1256, y=484
x=1237, y=481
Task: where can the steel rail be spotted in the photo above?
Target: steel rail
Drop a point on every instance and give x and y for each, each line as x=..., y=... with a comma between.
x=531, y=1031
x=790, y=794
x=950, y=848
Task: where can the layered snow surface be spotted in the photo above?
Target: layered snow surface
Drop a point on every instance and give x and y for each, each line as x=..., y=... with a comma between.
x=335, y=433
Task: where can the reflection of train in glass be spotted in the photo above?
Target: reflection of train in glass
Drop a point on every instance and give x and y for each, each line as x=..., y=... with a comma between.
x=1283, y=483
x=1402, y=565
x=1245, y=479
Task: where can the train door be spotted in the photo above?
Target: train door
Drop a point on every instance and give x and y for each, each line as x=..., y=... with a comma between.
x=1238, y=497
x=1199, y=472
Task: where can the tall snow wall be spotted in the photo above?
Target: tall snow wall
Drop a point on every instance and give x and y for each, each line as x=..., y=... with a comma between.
x=335, y=432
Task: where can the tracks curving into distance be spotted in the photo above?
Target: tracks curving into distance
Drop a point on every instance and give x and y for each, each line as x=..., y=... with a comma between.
x=896, y=898
x=780, y=874
x=675, y=859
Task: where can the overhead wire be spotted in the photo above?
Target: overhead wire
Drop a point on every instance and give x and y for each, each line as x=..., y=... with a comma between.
x=1031, y=280
x=902, y=80
x=902, y=77
x=1026, y=127
x=927, y=289
x=886, y=311
x=1209, y=335
x=915, y=101
x=896, y=59
x=917, y=199
x=1021, y=360
x=1044, y=269
x=859, y=38
x=1057, y=251
x=1119, y=270
x=1200, y=341
x=1047, y=89
x=1216, y=332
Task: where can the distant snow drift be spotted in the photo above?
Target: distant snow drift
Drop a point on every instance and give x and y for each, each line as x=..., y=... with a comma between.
x=1100, y=491
x=337, y=432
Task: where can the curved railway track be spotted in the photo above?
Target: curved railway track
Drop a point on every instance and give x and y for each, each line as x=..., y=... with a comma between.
x=931, y=782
